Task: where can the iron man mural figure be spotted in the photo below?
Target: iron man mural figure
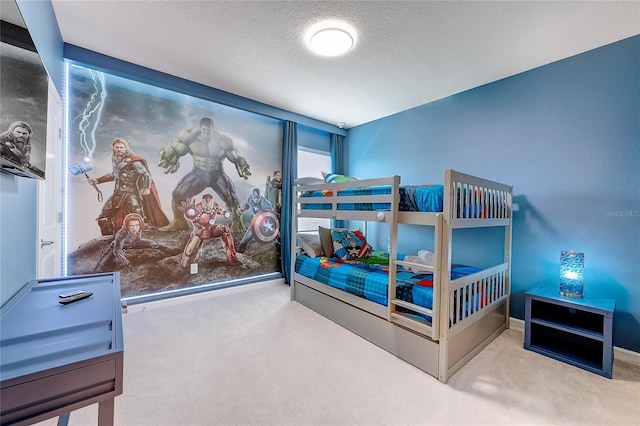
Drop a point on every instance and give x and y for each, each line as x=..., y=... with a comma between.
x=203, y=218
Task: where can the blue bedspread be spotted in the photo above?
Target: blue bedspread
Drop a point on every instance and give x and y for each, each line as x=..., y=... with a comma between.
x=413, y=198
x=370, y=281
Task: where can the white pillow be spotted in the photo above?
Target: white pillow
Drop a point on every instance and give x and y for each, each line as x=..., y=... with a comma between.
x=310, y=243
x=309, y=181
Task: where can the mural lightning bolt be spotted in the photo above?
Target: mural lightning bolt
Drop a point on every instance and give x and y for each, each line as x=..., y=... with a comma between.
x=90, y=116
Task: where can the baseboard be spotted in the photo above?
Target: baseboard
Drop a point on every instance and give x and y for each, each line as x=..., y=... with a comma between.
x=626, y=355
x=516, y=324
x=620, y=354
x=179, y=299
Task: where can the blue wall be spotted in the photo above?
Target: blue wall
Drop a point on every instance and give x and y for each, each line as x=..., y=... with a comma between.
x=41, y=21
x=18, y=195
x=567, y=137
x=18, y=222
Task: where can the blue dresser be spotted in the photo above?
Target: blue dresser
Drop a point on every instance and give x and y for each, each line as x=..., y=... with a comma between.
x=576, y=331
x=57, y=358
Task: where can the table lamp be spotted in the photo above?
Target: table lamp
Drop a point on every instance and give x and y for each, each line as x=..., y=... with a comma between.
x=571, y=274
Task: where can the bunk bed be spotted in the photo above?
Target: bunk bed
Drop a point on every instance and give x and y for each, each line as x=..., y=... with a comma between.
x=435, y=317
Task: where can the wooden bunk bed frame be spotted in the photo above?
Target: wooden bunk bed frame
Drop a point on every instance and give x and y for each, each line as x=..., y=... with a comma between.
x=455, y=334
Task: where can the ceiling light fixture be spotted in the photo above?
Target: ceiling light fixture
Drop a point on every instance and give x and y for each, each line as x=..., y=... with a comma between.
x=331, y=42
x=330, y=38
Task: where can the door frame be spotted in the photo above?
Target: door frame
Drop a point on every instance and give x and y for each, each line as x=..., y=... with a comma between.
x=49, y=236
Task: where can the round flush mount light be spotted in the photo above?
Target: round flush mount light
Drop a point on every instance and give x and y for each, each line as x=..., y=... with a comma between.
x=330, y=38
x=331, y=42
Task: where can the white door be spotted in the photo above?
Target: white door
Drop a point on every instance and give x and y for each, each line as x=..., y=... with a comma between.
x=49, y=251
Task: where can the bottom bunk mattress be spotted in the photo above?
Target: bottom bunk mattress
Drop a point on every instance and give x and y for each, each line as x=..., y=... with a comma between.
x=369, y=278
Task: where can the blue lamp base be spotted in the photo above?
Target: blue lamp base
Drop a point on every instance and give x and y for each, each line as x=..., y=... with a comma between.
x=574, y=294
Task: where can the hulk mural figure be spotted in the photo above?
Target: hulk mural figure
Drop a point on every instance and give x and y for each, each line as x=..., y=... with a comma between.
x=208, y=148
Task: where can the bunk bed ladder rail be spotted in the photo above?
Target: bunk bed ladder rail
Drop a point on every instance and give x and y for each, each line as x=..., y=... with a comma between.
x=432, y=329
x=293, y=240
x=393, y=248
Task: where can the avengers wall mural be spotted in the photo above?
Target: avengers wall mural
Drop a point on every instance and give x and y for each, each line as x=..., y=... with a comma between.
x=171, y=190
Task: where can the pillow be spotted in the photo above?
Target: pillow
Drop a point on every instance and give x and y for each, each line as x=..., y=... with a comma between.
x=310, y=243
x=309, y=181
x=350, y=245
x=325, y=241
x=332, y=177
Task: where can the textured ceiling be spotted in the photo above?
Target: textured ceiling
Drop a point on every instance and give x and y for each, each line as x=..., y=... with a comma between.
x=9, y=12
x=406, y=54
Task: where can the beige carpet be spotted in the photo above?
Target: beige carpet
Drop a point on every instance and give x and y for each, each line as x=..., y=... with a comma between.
x=250, y=356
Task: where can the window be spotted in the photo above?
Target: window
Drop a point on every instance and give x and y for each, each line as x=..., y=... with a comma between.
x=311, y=164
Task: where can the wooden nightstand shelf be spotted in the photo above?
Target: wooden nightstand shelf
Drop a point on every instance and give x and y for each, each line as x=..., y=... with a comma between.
x=576, y=331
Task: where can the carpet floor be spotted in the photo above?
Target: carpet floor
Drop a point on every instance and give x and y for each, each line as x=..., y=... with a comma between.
x=250, y=356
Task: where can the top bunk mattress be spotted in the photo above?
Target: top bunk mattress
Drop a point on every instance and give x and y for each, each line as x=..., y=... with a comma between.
x=413, y=198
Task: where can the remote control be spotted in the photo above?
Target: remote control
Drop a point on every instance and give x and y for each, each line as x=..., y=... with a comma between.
x=71, y=293
x=67, y=300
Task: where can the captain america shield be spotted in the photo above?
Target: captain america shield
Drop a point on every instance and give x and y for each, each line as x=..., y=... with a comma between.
x=265, y=226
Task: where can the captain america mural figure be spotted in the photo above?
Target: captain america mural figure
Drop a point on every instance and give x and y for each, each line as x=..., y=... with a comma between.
x=265, y=225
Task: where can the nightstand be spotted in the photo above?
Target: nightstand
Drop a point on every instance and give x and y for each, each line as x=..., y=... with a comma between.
x=576, y=331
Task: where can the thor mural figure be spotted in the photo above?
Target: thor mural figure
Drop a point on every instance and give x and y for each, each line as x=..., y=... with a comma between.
x=16, y=143
x=134, y=190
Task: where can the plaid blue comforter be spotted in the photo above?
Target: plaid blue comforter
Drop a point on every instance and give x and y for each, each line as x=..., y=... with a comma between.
x=369, y=281
x=413, y=198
